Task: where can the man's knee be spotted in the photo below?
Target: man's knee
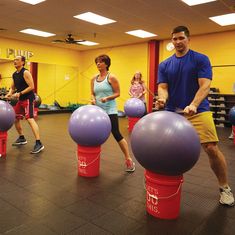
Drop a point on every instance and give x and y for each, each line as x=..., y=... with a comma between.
x=211, y=149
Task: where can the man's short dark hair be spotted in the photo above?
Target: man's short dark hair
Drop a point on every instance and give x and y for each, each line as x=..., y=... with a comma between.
x=179, y=29
x=103, y=58
x=23, y=59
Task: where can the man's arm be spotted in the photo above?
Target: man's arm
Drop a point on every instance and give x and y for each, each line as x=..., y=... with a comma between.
x=11, y=90
x=203, y=91
x=92, y=92
x=162, y=96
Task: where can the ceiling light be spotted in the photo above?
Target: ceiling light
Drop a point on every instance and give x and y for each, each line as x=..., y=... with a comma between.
x=32, y=2
x=94, y=18
x=196, y=2
x=37, y=33
x=224, y=20
x=88, y=43
x=141, y=33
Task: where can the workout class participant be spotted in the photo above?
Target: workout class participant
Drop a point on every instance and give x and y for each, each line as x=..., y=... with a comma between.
x=104, y=90
x=183, y=83
x=138, y=89
x=22, y=89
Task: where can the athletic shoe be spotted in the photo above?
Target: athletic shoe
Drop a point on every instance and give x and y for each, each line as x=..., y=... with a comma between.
x=226, y=196
x=231, y=136
x=38, y=147
x=130, y=166
x=20, y=141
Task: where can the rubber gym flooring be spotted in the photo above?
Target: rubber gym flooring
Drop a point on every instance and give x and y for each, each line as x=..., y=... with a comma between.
x=42, y=194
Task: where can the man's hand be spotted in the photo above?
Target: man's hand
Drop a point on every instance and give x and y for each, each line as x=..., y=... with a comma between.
x=8, y=96
x=16, y=95
x=160, y=103
x=190, y=110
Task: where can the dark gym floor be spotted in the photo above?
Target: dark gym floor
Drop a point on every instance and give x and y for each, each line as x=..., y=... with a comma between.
x=43, y=195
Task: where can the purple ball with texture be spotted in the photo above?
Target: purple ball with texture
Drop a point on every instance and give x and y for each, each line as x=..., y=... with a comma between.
x=7, y=116
x=231, y=115
x=89, y=125
x=134, y=107
x=166, y=143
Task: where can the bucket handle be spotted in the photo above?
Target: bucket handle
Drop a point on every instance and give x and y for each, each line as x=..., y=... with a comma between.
x=83, y=164
x=172, y=195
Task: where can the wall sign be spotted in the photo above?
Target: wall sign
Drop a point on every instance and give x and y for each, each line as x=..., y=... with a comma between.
x=16, y=52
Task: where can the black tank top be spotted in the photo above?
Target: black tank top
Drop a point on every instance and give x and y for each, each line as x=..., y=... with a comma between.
x=20, y=84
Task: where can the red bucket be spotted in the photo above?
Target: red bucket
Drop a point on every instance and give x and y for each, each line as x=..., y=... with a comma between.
x=131, y=122
x=88, y=161
x=3, y=143
x=163, y=195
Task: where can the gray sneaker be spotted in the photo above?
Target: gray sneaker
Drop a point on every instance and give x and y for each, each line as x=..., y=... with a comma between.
x=20, y=141
x=130, y=166
x=226, y=196
x=38, y=147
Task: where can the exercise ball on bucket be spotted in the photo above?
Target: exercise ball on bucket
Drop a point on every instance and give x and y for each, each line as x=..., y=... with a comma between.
x=7, y=119
x=37, y=101
x=89, y=127
x=231, y=115
x=166, y=145
x=134, y=109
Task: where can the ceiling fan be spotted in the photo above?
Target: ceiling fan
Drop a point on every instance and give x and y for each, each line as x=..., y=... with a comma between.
x=68, y=40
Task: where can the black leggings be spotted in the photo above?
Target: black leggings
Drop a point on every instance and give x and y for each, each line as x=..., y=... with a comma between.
x=115, y=127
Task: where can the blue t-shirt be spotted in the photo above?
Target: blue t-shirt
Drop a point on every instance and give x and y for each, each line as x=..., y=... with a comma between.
x=182, y=74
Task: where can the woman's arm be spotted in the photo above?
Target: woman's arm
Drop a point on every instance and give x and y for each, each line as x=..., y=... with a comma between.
x=92, y=92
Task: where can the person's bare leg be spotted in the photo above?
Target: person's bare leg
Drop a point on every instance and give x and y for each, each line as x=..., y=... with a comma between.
x=217, y=162
x=124, y=147
x=18, y=127
x=34, y=127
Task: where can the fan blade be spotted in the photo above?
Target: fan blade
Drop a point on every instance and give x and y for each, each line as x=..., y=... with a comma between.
x=78, y=41
x=57, y=41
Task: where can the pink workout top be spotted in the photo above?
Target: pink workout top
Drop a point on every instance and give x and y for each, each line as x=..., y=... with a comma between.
x=136, y=90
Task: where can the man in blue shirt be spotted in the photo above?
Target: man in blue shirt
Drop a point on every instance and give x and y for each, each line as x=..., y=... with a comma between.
x=183, y=84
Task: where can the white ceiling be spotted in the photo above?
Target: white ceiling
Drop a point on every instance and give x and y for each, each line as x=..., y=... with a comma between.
x=156, y=16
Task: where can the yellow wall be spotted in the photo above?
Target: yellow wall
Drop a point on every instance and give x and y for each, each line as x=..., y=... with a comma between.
x=6, y=71
x=220, y=48
x=58, y=82
x=55, y=66
x=125, y=60
x=42, y=53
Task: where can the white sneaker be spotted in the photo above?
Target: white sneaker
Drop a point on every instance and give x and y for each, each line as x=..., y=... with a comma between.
x=226, y=196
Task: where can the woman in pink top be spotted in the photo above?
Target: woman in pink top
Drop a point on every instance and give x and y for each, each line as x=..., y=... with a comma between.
x=138, y=89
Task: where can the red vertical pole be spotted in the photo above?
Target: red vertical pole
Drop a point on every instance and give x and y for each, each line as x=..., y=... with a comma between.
x=34, y=72
x=153, y=70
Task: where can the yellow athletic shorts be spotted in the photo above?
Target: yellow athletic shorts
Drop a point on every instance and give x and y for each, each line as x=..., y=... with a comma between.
x=204, y=126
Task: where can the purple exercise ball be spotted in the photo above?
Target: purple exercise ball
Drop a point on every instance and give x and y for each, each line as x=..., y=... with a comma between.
x=89, y=126
x=231, y=115
x=134, y=107
x=166, y=143
x=7, y=116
